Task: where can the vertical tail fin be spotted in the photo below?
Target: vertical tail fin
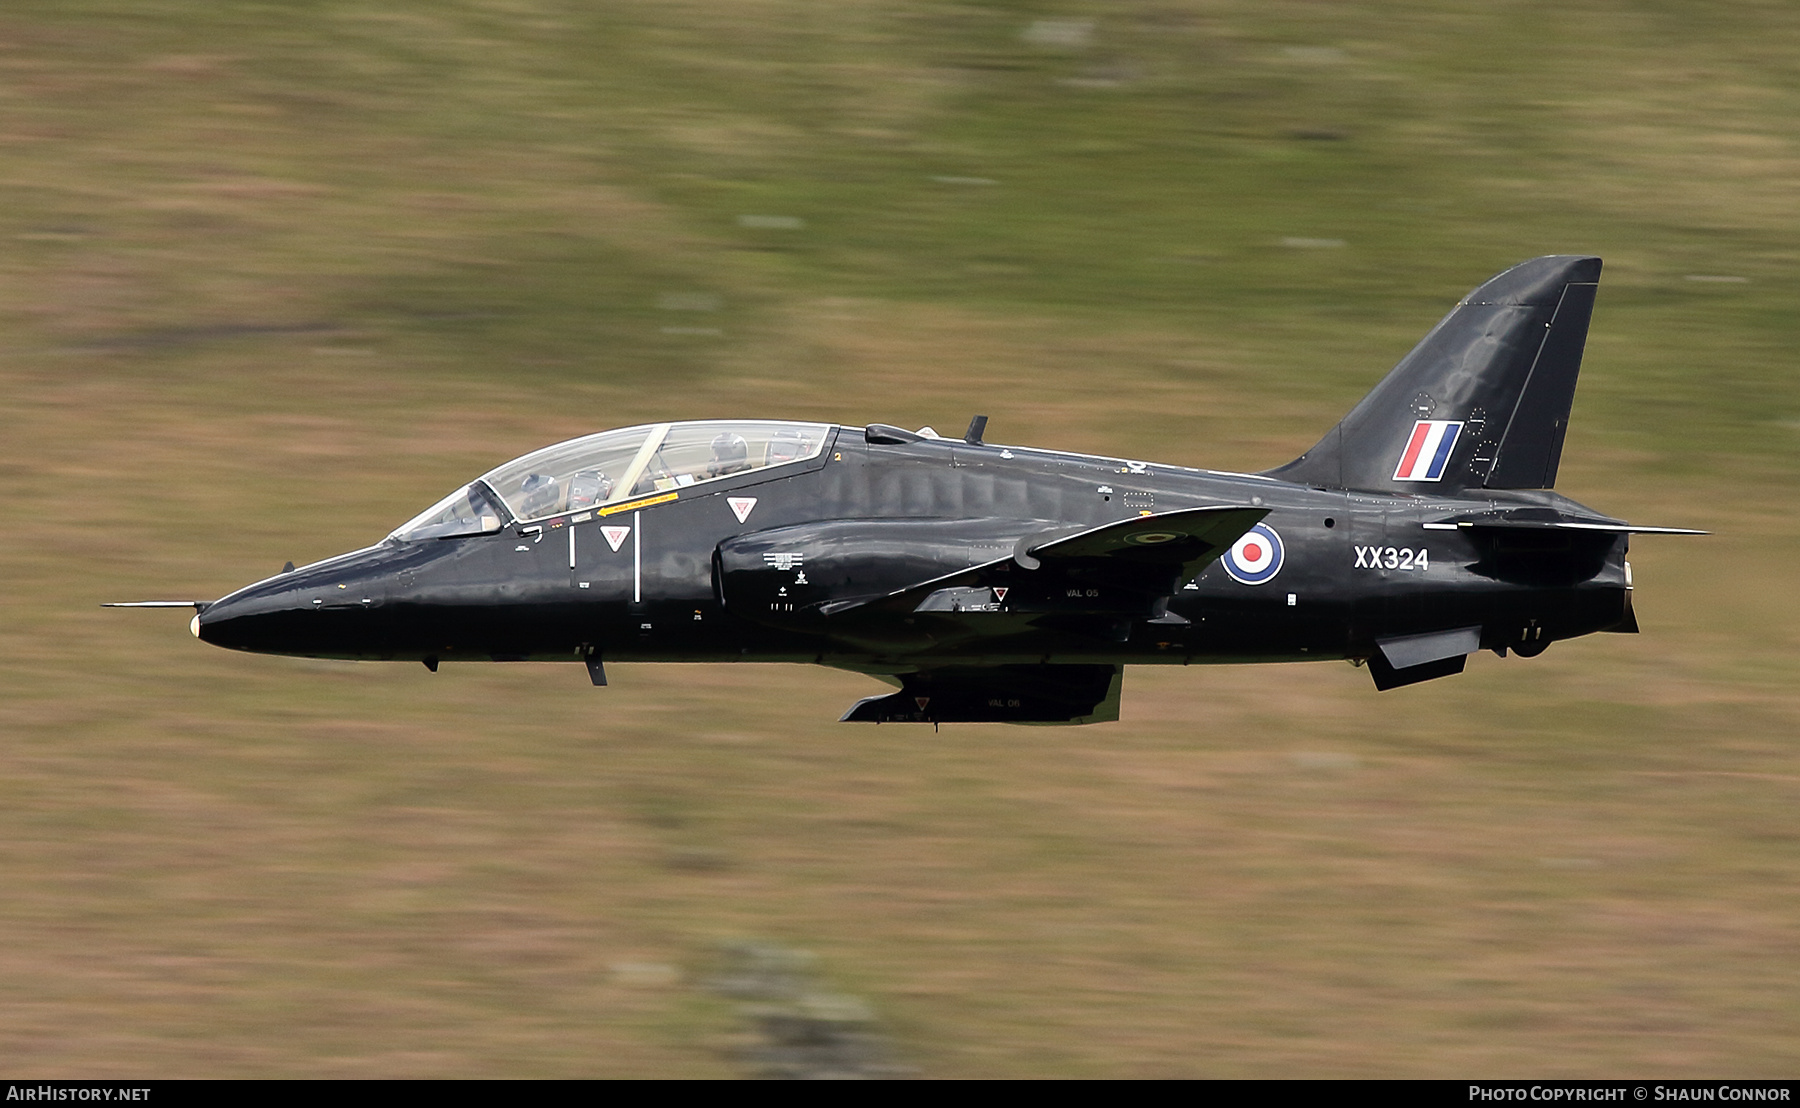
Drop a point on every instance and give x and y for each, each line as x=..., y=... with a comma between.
x=1482, y=401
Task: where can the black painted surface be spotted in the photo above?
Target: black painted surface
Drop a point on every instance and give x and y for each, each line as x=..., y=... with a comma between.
x=974, y=572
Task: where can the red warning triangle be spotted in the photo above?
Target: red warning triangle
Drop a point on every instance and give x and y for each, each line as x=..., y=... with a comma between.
x=921, y=701
x=1001, y=591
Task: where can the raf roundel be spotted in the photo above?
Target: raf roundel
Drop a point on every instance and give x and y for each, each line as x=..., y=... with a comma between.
x=1255, y=558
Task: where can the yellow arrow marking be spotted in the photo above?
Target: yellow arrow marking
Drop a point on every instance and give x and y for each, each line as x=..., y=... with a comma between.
x=634, y=504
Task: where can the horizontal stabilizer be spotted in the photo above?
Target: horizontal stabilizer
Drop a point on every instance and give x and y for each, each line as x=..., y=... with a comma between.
x=1586, y=526
x=998, y=694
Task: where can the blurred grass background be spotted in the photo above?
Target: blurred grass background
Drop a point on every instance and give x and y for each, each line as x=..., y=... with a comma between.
x=273, y=276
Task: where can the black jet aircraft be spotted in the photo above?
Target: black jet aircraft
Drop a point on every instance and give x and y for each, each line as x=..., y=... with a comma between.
x=1009, y=583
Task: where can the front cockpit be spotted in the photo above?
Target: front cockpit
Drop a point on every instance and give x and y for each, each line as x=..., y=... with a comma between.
x=596, y=471
x=410, y=596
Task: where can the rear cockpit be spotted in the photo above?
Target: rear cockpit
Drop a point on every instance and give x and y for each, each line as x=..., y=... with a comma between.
x=612, y=467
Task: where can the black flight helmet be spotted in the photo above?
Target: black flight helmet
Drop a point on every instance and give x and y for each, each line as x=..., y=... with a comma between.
x=730, y=454
x=537, y=496
x=588, y=488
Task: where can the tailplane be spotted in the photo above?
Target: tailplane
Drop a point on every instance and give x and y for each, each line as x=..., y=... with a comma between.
x=1482, y=401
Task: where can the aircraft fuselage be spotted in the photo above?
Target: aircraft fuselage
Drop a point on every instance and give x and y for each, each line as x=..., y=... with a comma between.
x=1351, y=568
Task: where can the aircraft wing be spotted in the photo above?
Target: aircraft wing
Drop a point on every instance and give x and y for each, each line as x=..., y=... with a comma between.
x=1191, y=536
x=1118, y=571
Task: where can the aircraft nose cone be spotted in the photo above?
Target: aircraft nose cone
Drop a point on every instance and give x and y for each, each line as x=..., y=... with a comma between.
x=269, y=617
x=232, y=622
x=335, y=610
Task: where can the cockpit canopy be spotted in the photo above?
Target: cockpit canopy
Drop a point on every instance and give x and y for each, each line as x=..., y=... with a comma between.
x=614, y=466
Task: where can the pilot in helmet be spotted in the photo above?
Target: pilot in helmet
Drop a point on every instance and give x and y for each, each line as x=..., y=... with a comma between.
x=588, y=488
x=786, y=445
x=537, y=496
x=730, y=454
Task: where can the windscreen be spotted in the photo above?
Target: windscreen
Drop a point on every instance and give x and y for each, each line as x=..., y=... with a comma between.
x=468, y=511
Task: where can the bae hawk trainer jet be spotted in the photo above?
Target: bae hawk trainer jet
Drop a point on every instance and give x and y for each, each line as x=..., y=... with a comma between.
x=1012, y=584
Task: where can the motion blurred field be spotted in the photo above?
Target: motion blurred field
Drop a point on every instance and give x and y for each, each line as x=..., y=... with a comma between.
x=276, y=276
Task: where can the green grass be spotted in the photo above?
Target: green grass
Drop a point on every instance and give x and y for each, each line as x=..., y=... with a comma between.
x=275, y=276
